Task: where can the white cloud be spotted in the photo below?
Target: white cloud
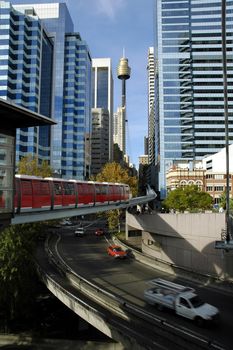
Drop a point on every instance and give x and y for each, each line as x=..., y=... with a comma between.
x=106, y=8
x=109, y=7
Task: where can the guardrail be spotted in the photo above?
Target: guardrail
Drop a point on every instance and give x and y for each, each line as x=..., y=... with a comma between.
x=105, y=324
x=122, y=308
x=175, y=269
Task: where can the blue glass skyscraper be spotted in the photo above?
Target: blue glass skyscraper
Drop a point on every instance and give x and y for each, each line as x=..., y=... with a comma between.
x=72, y=77
x=189, y=81
x=26, y=54
x=59, y=70
x=76, y=109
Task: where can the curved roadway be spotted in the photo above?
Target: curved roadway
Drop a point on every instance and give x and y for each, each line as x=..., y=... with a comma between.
x=127, y=278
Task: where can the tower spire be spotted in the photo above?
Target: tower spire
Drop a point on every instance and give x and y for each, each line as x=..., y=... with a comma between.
x=123, y=73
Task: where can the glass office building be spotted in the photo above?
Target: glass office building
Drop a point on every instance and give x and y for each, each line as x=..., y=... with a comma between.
x=190, y=122
x=26, y=54
x=76, y=110
x=56, y=64
x=102, y=93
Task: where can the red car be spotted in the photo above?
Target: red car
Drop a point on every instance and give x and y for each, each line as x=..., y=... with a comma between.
x=99, y=232
x=116, y=251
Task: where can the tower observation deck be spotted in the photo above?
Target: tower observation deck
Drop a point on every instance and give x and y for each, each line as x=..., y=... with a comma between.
x=123, y=73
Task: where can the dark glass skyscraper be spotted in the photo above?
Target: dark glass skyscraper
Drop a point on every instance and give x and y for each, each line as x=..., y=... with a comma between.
x=190, y=104
x=102, y=94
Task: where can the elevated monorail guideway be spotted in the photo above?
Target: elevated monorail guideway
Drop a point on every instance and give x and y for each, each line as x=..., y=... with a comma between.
x=35, y=216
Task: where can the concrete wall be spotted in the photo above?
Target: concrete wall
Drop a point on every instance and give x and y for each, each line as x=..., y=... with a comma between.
x=186, y=240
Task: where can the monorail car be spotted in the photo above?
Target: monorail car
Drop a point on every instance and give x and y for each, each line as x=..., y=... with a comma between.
x=34, y=193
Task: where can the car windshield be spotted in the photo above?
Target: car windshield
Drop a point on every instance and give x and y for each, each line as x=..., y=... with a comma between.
x=196, y=301
x=118, y=249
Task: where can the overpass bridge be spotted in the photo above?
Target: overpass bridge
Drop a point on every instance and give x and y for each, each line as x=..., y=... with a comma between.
x=35, y=216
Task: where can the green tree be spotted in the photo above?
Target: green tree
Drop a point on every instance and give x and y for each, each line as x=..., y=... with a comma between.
x=17, y=271
x=222, y=202
x=114, y=172
x=29, y=165
x=188, y=198
x=176, y=200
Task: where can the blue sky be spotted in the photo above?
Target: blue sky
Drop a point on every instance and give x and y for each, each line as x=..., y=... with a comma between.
x=108, y=26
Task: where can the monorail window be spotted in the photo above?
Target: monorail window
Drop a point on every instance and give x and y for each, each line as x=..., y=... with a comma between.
x=26, y=187
x=68, y=188
x=104, y=189
x=97, y=189
x=57, y=188
x=117, y=189
x=110, y=189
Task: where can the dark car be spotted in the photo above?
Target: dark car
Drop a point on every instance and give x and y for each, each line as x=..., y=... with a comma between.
x=99, y=232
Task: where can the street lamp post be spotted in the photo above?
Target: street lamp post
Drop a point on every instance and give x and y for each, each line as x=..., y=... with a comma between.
x=224, y=61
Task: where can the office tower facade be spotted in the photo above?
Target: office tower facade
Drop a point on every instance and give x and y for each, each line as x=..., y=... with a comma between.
x=102, y=94
x=26, y=53
x=99, y=139
x=190, y=105
x=62, y=74
x=119, y=129
x=76, y=125
x=151, y=101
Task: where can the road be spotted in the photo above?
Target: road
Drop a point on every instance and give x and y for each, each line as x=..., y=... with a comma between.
x=127, y=278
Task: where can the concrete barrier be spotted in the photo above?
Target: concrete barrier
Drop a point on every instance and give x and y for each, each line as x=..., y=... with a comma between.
x=186, y=241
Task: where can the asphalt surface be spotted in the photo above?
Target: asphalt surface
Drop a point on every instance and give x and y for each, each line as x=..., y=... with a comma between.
x=127, y=278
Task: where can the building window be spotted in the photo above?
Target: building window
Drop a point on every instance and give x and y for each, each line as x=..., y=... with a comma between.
x=219, y=176
x=199, y=184
x=209, y=188
x=218, y=188
x=191, y=182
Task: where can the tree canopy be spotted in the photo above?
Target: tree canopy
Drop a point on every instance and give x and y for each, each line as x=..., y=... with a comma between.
x=222, y=202
x=114, y=172
x=17, y=270
x=29, y=165
x=188, y=198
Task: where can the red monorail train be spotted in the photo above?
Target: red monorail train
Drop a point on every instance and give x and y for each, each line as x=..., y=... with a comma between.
x=35, y=193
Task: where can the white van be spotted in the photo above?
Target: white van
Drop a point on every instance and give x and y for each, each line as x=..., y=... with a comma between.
x=183, y=300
